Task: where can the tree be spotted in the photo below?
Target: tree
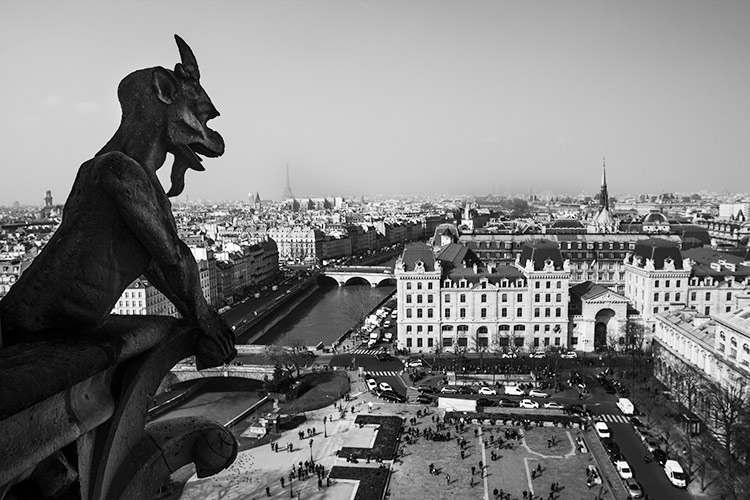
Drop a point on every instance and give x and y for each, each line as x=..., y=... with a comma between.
x=357, y=309
x=729, y=407
x=292, y=356
x=686, y=387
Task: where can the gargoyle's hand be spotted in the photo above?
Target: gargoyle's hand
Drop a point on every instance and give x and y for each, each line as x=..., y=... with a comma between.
x=215, y=346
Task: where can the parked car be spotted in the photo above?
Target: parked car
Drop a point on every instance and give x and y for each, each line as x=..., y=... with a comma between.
x=574, y=410
x=393, y=397
x=569, y=355
x=485, y=402
x=602, y=429
x=675, y=474
x=660, y=456
x=514, y=390
x=623, y=469
x=383, y=356
x=610, y=445
x=465, y=389
x=487, y=391
x=372, y=384
x=448, y=389
x=425, y=399
x=388, y=336
x=633, y=488
x=385, y=386
x=507, y=403
x=414, y=363
x=509, y=355
x=616, y=457
x=428, y=389
x=651, y=444
x=538, y=355
x=528, y=403
x=553, y=405
x=538, y=394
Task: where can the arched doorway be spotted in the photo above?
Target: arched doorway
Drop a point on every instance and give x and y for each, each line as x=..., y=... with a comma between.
x=602, y=325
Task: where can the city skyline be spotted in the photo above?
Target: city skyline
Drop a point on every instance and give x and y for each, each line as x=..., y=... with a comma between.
x=403, y=98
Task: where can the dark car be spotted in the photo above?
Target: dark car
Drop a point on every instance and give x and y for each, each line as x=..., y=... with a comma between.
x=465, y=390
x=660, y=456
x=428, y=389
x=610, y=446
x=574, y=410
x=383, y=356
x=425, y=399
x=507, y=403
x=485, y=402
x=617, y=457
x=393, y=397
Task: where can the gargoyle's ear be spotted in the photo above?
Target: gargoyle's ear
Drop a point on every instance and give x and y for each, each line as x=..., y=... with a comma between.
x=165, y=85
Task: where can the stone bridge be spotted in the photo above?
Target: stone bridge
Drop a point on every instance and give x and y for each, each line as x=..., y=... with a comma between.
x=374, y=275
x=188, y=371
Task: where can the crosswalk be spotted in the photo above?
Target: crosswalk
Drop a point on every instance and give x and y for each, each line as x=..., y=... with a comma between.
x=383, y=373
x=363, y=351
x=619, y=419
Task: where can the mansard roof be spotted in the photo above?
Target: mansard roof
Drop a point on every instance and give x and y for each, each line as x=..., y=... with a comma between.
x=724, y=264
x=539, y=252
x=455, y=255
x=418, y=252
x=445, y=229
x=659, y=250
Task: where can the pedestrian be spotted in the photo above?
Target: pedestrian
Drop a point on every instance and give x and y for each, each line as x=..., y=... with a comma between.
x=282, y=481
x=447, y=479
x=481, y=465
x=533, y=474
x=471, y=481
x=473, y=469
x=462, y=454
x=320, y=484
x=268, y=491
x=495, y=492
x=539, y=468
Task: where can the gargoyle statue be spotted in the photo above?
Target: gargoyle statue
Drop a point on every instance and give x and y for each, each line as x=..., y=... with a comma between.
x=118, y=223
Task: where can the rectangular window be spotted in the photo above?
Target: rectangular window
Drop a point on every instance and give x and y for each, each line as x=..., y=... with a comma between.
x=536, y=284
x=707, y=311
x=447, y=342
x=462, y=312
x=519, y=312
x=429, y=328
x=558, y=312
x=557, y=341
x=429, y=286
x=536, y=341
x=419, y=342
x=447, y=314
x=429, y=299
x=536, y=312
x=547, y=284
x=408, y=298
x=419, y=299
x=483, y=297
x=693, y=296
x=462, y=342
x=677, y=297
x=462, y=297
x=408, y=285
x=548, y=297
x=408, y=313
x=656, y=284
x=504, y=297
x=482, y=342
x=547, y=312
x=430, y=314
x=708, y=295
x=537, y=297
x=677, y=283
x=573, y=340
x=656, y=296
x=536, y=328
x=666, y=296
x=419, y=312
x=429, y=342
x=504, y=312
x=729, y=295
x=408, y=329
x=483, y=312
x=447, y=298
x=666, y=284
x=546, y=341
x=419, y=285
x=408, y=342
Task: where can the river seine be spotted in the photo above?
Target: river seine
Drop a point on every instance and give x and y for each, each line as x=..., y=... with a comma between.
x=326, y=315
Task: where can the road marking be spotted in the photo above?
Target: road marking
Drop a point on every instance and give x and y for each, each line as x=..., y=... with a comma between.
x=484, y=464
x=528, y=473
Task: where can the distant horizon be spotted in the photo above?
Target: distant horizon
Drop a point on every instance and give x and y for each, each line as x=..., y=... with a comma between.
x=381, y=96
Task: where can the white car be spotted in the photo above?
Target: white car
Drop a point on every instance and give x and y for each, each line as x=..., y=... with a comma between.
x=487, y=391
x=509, y=355
x=623, y=469
x=527, y=403
x=414, y=363
x=602, y=430
x=538, y=394
x=385, y=386
x=569, y=355
x=514, y=390
x=371, y=384
x=553, y=405
x=538, y=355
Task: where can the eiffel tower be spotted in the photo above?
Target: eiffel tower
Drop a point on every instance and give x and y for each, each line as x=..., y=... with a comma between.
x=288, y=195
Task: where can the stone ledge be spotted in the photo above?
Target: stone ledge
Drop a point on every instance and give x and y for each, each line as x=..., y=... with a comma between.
x=30, y=373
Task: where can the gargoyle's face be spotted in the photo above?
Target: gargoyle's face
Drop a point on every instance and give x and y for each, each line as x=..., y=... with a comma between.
x=188, y=110
x=187, y=131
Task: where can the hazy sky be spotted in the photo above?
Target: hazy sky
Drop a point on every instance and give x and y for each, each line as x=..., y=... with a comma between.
x=398, y=97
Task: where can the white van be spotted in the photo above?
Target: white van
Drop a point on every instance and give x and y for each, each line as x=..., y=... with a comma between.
x=514, y=390
x=625, y=406
x=674, y=472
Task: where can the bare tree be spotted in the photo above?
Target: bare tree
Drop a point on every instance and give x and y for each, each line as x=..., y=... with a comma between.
x=686, y=387
x=729, y=406
x=292, y=356
x=357, y=309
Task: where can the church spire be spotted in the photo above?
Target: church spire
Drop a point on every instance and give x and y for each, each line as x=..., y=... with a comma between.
x=603, y=194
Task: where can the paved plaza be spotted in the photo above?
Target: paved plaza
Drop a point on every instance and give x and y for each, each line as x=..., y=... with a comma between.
x=261, y=467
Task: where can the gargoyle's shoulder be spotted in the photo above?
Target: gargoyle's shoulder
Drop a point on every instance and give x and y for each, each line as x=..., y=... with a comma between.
x=117, y=163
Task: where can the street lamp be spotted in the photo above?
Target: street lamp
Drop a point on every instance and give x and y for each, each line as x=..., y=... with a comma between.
x=291, y=490
x=325, y=419
x=311, y=455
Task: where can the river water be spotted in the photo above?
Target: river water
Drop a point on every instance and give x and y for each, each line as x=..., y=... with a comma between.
x=327, y=314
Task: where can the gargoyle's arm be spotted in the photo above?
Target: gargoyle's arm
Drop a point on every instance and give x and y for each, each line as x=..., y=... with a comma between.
x=155, y=276
x=134, y=194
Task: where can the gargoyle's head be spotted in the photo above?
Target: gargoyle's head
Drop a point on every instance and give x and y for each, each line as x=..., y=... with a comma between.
x=175, y=103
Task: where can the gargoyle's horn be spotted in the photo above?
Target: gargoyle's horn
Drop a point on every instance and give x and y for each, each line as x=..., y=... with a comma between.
x=189, y=65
